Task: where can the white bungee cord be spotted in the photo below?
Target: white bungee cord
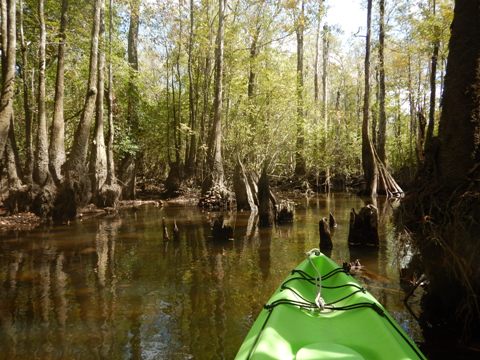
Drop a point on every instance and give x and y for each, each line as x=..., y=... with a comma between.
x=318, y=279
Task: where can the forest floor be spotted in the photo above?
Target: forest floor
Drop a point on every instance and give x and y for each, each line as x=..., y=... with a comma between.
x=20, y=221
x=26, y=221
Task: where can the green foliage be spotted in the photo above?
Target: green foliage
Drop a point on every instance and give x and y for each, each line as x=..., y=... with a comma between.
x=260, y=128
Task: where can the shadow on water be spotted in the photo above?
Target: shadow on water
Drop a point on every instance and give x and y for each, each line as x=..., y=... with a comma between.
x=113, y=288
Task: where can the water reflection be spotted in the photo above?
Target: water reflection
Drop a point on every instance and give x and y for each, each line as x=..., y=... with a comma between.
x=113, y=288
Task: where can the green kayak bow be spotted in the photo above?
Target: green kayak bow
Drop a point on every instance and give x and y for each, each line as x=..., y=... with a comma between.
x=321, y=312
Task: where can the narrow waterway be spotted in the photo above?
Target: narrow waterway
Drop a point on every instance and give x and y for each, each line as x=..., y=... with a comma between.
x=112, y=288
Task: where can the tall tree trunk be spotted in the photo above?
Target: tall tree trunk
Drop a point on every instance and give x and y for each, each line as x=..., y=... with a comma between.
x=216, y=160
x=111, y=179
x=192, y=153
x=57, y=139
x=76, y=191
x=98, y=160
x=178, y=144
x=300, y=166
x=27, y=104
x=459, y=130
x=129, y=165
x=448, y=190
x=317, y=56
x=107, y=191
x=374, y=127
x=252, y=75
x=12, y=161
x=382, y=119
x=40, y=169
x=78, y=155
x=433, y=83
x=411, y=102
x=370, y=170
x=325, y=50
x=167, y=78
x=204, y=119
x=4, y=34
x=174, y=126
x=8, y=69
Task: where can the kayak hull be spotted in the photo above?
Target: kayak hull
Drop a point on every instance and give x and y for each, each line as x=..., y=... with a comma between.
x=353, y=324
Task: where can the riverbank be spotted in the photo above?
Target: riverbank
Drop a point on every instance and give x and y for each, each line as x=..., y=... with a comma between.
x=28, y=221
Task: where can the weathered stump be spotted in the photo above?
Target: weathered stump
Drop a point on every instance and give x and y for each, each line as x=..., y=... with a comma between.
x=285, y=212
x=244, y=193
x=325, y=236
x=332, y=222
x=44, y=200
x=65, y=207
x=215, y=196
x=109, y=196
x=176, y=231
x=220, y=230
x=165, y=231
x=174, y=180
x=265, y=208
x=18, y=199
x=363, y=229
x=253, y=182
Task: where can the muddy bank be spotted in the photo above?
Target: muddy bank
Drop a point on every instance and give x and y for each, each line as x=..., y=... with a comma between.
x=27, y=221
x=20, y=221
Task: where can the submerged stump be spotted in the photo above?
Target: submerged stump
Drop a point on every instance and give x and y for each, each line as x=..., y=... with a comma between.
x=265, y=207
x=325, y=235
x=245, y=193
x=220, y=230
x=363, y=229
x=331, y=221
x=285, y=212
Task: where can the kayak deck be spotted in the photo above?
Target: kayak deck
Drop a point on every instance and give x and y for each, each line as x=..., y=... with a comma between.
x=352, y=325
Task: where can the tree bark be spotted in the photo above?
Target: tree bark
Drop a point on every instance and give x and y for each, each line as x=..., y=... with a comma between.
x=27, y=104
x=40, y=169
x=447, y=189
x=204, y=118
x=178, y=139
x=76, y=163
x=382, y=119
x=325, y=236
x=4, y=34
x=317, y=55
x=368, y=161
x=300, y=166
x=8, y=70
x=244, y=194
x=433, y=84
x=459, y=130
x=11, y=162
x=216, y=160
x=411, y=102
x=111, y=178
x=98, y=161
x=363, y=229
x=325, y=50
x=129, y=166
x=110, y=192
x=192, y=153
x=75, y=190
x=252, y=76
x=57, y=139
x=265, y=208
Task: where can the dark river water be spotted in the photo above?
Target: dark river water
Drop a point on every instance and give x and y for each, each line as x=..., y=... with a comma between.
x=111, y=287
